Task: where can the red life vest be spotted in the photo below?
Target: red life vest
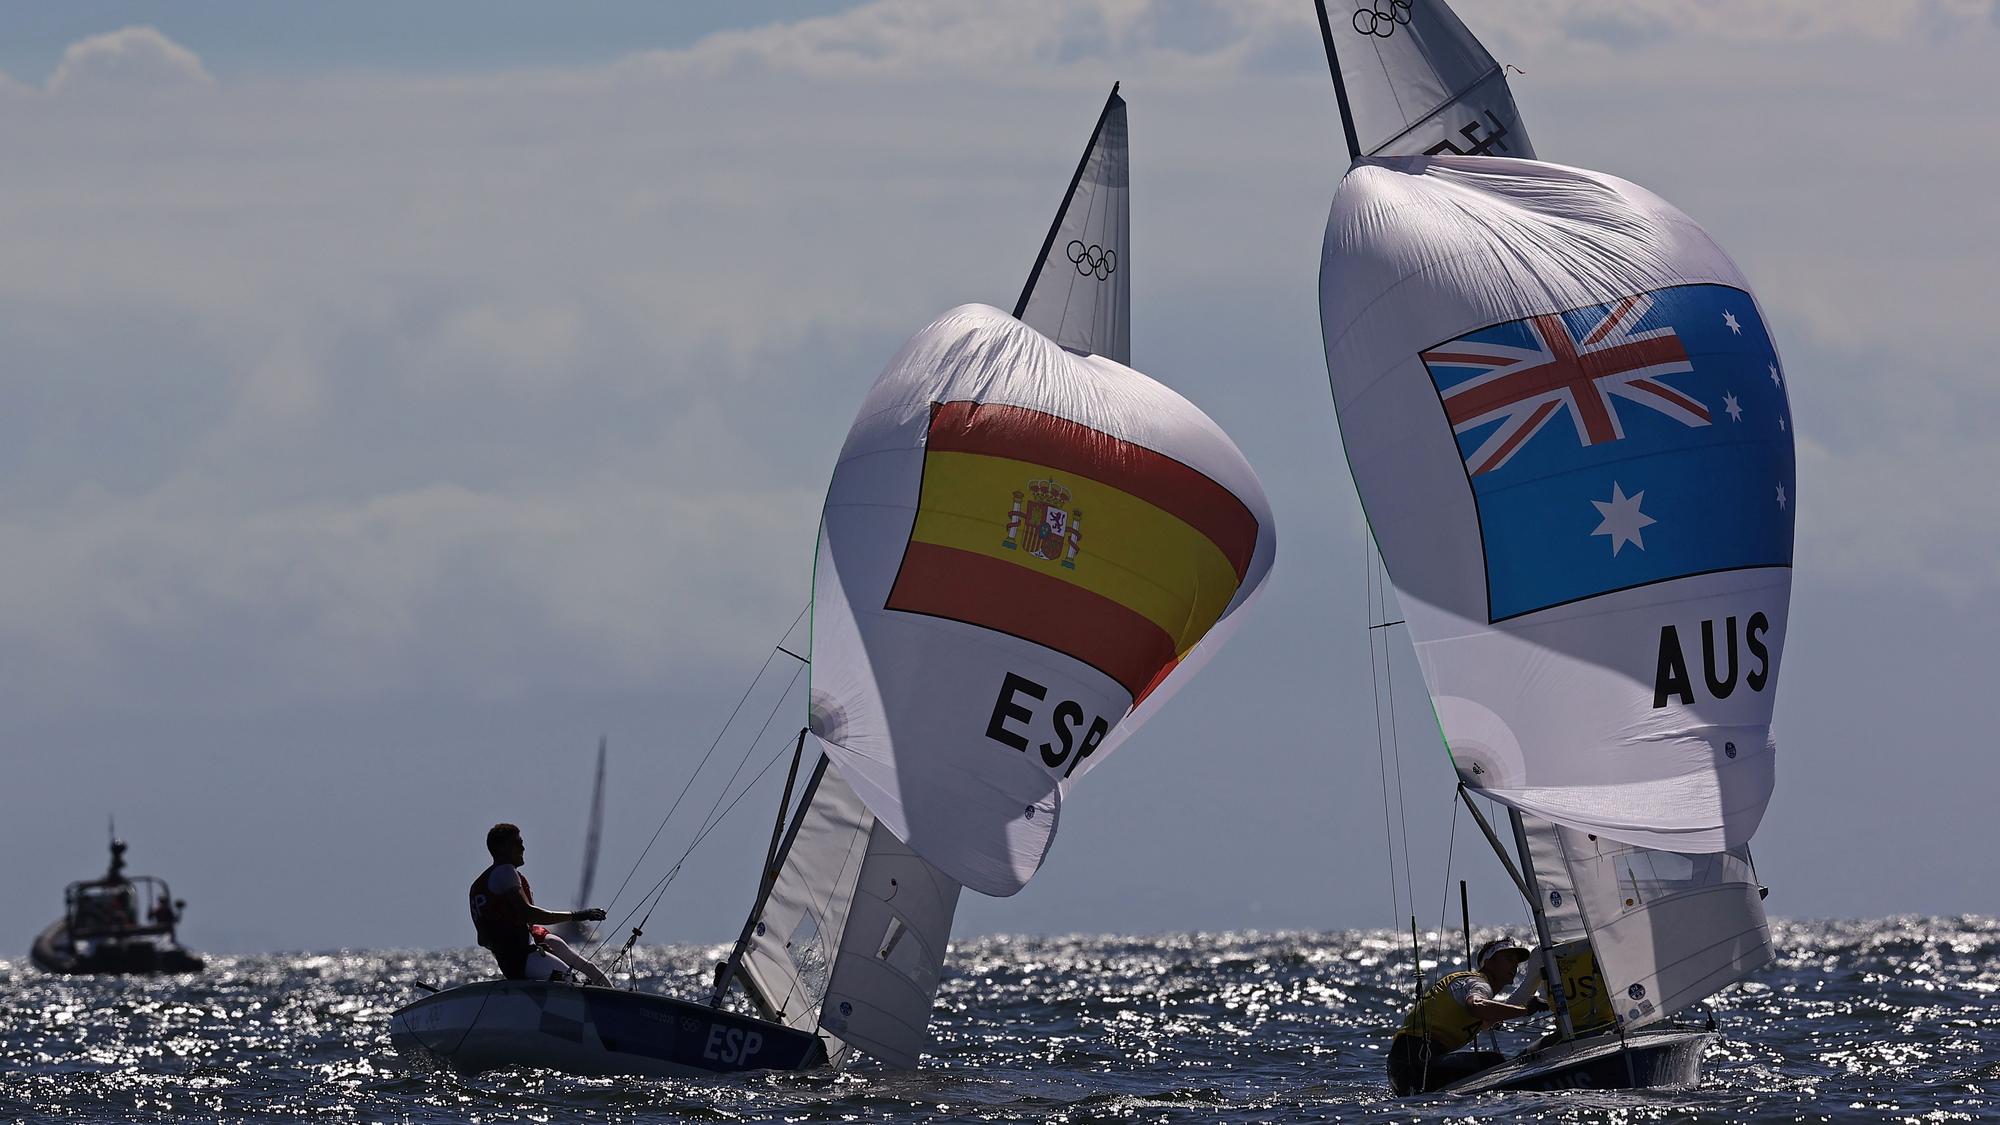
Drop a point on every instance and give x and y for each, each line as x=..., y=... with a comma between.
x=502, y=924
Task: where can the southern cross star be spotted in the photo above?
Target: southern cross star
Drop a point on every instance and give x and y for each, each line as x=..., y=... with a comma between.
x=1775, y=381
x=1730, y=322
x=1622, y=519
x=1781, y=501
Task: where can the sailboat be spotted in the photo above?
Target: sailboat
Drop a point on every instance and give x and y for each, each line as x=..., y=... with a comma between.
x=593, y=835
x=1570, y=433
x=1026, y=547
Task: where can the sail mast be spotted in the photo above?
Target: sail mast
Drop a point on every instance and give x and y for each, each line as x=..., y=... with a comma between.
x=1069, y=194
x=1557, y=1000
x=1339, y=83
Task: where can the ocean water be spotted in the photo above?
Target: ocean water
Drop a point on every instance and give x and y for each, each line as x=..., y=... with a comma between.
x=1891, y=1019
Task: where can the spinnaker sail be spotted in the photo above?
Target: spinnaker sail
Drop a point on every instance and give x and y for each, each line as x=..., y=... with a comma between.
x=1570, y=430
x=1414, y=81
x=1023, y=552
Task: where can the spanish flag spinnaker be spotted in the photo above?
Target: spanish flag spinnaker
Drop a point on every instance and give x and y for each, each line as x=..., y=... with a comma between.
x=1024, y=550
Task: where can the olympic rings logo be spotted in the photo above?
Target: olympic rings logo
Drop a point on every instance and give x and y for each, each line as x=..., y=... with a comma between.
x=1092, y=260
x=1381, y=18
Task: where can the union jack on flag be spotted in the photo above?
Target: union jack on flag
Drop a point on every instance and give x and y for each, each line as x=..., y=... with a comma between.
x=1522, y=387
x=1629, y=374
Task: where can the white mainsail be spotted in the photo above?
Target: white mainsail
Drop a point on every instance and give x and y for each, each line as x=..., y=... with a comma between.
x=1416, y=82
x=1080, y=294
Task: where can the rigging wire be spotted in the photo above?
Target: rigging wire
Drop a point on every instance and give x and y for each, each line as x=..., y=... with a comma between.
x=659, y=889
x=1381, y=762
x=754, y=681
x=1395, y=742
x=651, y=899
x=1444, y=905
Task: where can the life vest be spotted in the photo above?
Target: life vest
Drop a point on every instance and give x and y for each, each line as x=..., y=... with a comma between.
x=1441, y=1018
x=501, y=923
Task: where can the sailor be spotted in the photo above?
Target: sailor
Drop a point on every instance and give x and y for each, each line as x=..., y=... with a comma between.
x=513, y=927
x=1425, y=1055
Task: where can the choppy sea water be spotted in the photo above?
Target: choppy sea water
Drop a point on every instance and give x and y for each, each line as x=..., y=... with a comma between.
x=1892, y=1019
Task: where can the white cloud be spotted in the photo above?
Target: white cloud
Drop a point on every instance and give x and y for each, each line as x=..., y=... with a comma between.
x=1638, y=24
x=131, y=60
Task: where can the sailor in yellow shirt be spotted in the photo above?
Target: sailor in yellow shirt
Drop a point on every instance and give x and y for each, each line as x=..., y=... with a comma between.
x=1425, y=1054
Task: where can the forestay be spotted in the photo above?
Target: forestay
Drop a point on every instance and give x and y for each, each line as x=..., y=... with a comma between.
x=852, y=939
x=1419, y=83
x=1079, y=294
x=1570, y=431
x=1666, y=928
x=1023, y=552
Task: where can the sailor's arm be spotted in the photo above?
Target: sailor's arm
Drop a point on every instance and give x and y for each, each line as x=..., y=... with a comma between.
x=1493, y=1012
x=535, y=915
x=542, y=917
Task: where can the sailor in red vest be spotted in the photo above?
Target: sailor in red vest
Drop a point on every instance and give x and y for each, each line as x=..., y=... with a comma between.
x=513, y=927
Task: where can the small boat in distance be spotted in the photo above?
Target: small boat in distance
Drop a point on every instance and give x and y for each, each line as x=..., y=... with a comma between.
x=580, y=932
x=117, y=924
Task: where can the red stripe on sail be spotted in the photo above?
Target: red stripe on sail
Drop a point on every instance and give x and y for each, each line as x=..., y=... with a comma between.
x=1009, y=598
x=1021, y=434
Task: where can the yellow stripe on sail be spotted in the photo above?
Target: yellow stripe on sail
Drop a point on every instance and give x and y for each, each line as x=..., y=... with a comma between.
x=1131, y=552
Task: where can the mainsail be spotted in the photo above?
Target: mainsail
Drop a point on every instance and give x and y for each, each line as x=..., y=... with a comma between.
x=1080, y=293
x=1413, y=81
x=1023, y=552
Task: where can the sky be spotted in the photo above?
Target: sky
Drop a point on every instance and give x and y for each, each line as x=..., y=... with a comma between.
x=398, y=399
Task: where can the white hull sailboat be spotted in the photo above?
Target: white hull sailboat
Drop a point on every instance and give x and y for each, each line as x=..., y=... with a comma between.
x=1001, y=465
x=1567, y=424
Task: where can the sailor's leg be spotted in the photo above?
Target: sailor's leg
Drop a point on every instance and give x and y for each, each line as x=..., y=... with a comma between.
x=575, y=960
x=542, y=966
x=1447, y=1069
x=1407, y=1055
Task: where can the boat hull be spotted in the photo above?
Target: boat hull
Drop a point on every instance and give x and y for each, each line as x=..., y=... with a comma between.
x=579, y=1029
x=1649, y=1058
x=53, y=952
